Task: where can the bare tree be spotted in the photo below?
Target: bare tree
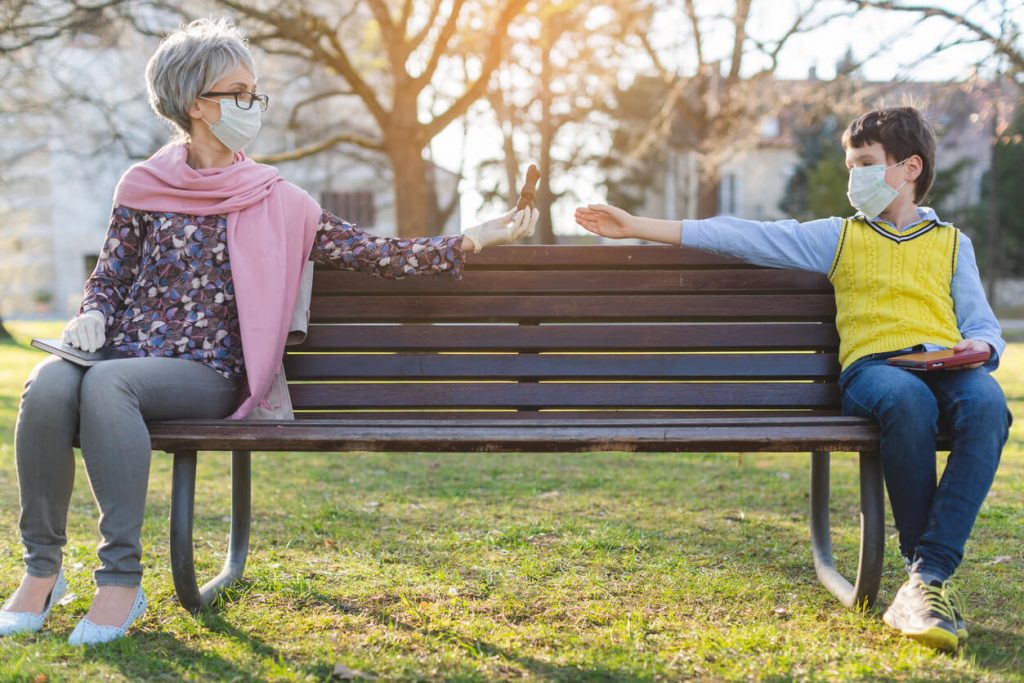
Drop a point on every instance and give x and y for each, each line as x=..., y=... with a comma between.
x=545, y=93
x=28, y=22
x=712, y=104
x=24, y=25
x=388, y=58
x=1005, y=41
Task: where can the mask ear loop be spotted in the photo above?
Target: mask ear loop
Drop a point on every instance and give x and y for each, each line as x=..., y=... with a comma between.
x=905, y=180
x=203, y=118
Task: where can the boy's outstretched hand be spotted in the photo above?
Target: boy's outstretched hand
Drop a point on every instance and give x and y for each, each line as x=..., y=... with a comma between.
x=971, y=345
x=606, y=221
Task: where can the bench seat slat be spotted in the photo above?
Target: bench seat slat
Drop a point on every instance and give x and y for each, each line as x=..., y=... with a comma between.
x=560, y=416
x=584, y=337
x=559, y=366
x=567, y=395
x=308, y=436
x=529, y=282
x=668, y=307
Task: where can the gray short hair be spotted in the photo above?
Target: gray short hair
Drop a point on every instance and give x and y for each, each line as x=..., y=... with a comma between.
x=188, y=62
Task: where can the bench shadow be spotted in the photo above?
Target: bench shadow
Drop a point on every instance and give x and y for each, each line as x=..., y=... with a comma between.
x=478, y=648
x=160, y=653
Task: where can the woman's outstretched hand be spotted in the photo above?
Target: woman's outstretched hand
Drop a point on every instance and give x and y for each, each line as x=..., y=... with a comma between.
x=505, y=229
x=606, y=221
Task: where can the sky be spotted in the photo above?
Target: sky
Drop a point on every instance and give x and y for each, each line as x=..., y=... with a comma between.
x=894, y=45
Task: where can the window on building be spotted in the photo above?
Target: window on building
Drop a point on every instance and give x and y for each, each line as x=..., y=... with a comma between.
x=355, y=207
x=727, y=203
x=770, y=127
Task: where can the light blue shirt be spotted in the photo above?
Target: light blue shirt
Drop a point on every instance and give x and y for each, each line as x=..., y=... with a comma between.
x=812, y=246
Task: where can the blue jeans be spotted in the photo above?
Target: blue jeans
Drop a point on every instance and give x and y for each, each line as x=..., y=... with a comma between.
x=933, y=521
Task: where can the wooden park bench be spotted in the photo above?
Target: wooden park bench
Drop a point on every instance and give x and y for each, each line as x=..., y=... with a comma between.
x=557, y=349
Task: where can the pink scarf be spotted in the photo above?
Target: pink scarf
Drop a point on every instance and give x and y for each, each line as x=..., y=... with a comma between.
x=265, y=215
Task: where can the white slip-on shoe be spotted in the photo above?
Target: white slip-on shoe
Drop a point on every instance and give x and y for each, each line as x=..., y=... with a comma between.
x=12, y=623
x=88, y=633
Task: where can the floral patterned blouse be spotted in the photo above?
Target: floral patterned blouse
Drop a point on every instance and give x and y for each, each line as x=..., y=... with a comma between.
x=163, y=280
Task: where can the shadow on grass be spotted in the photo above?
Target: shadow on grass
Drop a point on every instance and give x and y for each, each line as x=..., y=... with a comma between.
x=996, y=650
x=163, y=655
x=477, y=648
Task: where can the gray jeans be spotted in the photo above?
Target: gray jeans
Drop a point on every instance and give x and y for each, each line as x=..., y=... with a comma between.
x=107, y=405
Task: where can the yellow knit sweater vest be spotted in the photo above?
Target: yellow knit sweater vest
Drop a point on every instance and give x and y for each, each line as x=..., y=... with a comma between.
x=893, y=288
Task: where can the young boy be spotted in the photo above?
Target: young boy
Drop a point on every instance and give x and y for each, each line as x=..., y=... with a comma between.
x=904, y=281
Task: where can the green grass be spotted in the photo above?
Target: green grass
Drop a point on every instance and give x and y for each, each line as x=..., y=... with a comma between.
x=605, y=566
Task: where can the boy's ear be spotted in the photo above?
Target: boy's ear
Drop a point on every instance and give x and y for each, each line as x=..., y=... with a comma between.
x=914, y=167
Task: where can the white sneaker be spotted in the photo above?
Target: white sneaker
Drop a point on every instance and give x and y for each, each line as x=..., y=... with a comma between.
x=30, y=622
x=88, y=633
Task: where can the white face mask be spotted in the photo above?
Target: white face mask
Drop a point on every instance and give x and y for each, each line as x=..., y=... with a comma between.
x=237, y=127
x=868, y=191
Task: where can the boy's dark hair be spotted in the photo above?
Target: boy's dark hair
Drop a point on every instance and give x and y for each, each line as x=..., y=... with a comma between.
x=903, y=132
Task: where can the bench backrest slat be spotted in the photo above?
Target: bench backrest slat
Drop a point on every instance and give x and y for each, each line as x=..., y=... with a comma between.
x=571, y=328
x=576, y=337
x=432, y=366
x=534, y=396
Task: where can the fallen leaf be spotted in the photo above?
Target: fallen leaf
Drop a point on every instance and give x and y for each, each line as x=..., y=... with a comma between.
x=343, y=673
x=736, y=517
x=1002, y=559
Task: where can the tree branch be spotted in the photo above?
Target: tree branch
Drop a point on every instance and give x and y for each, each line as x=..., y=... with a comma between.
x=691, y=13
x=418, y=39
x=308, y=30
x=1002, y=46
x=293, y=118
x=316, y=148
x=440, y=46
x=476, y=89
x=739, y=38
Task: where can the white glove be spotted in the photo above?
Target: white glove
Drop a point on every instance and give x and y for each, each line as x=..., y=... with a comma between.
x=87, y=331
x=505, y=229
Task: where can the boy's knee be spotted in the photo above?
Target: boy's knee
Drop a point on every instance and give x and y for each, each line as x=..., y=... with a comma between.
x=906, y=403
x=986, y=407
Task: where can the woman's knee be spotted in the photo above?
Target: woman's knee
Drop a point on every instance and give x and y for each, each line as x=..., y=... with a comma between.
x=53, y=384
x=105, y=383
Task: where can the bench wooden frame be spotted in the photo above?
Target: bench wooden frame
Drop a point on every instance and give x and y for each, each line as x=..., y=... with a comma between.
x=595, y=348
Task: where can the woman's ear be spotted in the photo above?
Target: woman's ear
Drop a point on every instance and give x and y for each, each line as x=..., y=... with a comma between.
x=195, y=112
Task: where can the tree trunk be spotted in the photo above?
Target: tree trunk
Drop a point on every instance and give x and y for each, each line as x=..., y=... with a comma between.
x=415, y=214
x=4, y=334
x=545, y=233
x=707, y=191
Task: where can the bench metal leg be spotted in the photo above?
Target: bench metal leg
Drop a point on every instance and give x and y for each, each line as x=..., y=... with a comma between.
x=872, y=531
x=183, y=494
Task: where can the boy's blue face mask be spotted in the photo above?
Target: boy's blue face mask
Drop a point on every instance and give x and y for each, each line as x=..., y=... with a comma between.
x=868, y=192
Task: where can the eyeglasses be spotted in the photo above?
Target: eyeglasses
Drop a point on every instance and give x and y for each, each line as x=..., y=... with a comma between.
x=243, y=100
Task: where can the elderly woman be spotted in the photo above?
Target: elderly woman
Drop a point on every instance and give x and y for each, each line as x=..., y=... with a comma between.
x=197, y=282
